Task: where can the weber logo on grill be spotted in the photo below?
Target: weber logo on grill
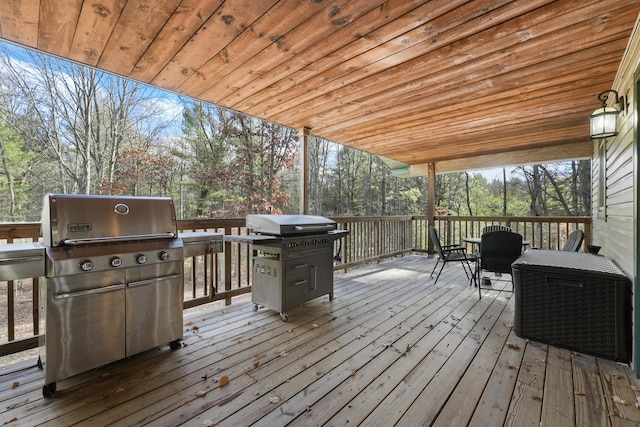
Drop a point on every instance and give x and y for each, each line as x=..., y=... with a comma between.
x=79, y=227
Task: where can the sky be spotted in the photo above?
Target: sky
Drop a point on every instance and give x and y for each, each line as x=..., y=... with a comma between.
x=493, y=174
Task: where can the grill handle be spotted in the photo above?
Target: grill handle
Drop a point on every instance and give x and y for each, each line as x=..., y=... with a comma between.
x=315, y=277
x=75, y=242
x=304, y=281
x=153, y=280
x=314, y=227
x=93, y=291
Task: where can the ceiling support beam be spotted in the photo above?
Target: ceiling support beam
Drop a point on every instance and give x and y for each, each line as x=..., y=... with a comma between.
x=552, y=154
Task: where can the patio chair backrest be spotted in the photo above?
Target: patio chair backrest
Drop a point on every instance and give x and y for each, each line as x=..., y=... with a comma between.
x=433, y=233
x=495, y=227
x=574, y=241
x=498, y=250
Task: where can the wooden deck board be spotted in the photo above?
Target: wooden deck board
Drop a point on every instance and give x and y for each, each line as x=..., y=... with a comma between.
x=494, y=402
x=557, y=404
x=526, y=402
x=591, y=406
x=392, y=348
x=468, y=336
x=620, y=397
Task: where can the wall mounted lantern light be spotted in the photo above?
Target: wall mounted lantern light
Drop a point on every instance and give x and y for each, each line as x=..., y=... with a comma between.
x=603, y=120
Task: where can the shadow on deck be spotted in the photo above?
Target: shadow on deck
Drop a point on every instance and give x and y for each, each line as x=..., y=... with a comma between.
x=390, y=349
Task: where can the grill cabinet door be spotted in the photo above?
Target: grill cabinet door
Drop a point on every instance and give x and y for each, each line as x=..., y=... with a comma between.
x=154, y=306
x=84, y=325
x=308, y=278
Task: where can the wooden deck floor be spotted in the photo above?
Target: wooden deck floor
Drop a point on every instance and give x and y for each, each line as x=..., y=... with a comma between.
x=392, y=348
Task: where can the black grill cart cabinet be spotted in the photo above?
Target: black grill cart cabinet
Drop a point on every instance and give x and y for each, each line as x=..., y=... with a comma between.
x=574, y=300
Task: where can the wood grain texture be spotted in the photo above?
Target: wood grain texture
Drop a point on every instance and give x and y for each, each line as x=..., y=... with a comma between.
x=57, y=26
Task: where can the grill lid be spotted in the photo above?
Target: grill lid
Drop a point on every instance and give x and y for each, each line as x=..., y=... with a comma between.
x=289, y=225
x=72, y=219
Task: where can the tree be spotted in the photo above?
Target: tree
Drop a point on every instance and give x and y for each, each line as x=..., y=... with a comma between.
x=450, y=193
x=560, y=188
x=235, y=162
x=264, y=150
x=140, y=172
x=319, y=150
x=14, y=163
x=79, y=117
x=205, y=142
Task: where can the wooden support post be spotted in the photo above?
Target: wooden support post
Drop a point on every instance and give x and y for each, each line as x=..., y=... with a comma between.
x=304, y=170
x=431, y=207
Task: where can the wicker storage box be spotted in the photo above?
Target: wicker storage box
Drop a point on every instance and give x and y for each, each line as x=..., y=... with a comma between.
x=574, y=300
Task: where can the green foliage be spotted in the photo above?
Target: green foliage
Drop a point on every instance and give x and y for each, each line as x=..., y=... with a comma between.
x=411, y=199
x=345, y=181
x=233, y=163
x=15, y=159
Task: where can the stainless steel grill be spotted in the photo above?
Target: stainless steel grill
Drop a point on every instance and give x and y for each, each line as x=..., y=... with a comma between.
x=114, y=280
x=292, y=259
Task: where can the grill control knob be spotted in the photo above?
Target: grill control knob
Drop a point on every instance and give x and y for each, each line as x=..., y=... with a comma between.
x=141, y=259
x=86, y=265
x=115, y=262
x=163, y=255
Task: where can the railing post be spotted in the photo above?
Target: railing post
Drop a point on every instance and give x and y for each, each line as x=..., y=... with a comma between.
x=227, y=267
x=11, y=315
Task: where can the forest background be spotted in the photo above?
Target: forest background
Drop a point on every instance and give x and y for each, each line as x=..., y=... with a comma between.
x=65, y=128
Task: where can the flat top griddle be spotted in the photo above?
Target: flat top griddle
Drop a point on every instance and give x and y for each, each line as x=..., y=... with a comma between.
x=289, y=225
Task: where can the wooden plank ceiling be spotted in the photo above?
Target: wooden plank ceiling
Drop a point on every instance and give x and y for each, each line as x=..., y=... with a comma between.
x=416, y=81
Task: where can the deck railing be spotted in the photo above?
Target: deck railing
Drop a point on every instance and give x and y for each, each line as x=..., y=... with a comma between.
x=541, y=232
x=219, y=277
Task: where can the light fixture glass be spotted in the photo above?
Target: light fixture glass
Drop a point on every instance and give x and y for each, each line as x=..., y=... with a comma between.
x=603, y=122
x=604, y=119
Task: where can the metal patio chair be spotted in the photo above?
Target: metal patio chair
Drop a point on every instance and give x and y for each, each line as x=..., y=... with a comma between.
x=451, y=253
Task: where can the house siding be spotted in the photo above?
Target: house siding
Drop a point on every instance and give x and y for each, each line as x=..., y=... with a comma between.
x=615, y=228
x=615, y=219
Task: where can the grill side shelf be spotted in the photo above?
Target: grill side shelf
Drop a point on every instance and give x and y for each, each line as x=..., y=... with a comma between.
x=253, y=239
